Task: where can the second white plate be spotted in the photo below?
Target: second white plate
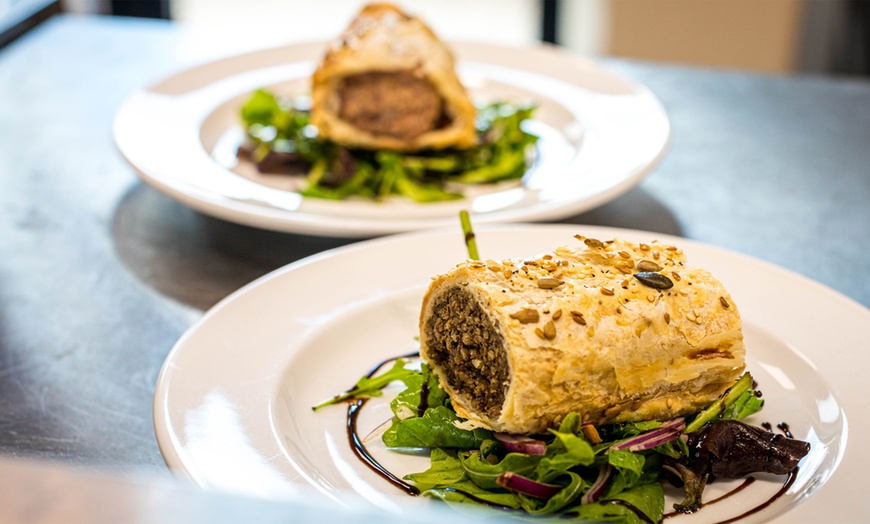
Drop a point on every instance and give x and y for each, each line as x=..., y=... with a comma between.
x=600, y=133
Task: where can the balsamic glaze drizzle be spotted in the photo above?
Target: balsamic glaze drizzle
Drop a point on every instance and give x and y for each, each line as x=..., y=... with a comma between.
x=782, y=426
x=787, y=484
x=789, y=480
x=356, y=444
x=362, y=453
x=738, y=489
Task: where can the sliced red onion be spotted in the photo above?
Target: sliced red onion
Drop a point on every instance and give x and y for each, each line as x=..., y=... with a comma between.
x=664, y=438
x=648, y=440
x=599, y=487
x=516, y=482
x=517, y=444
x=652, y=438
x=678, y=424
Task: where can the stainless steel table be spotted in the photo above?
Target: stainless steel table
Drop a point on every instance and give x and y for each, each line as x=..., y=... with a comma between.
x=100, y=274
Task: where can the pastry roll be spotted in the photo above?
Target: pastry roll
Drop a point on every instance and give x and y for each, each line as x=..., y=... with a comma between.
x=616, y=331
x=389, y=83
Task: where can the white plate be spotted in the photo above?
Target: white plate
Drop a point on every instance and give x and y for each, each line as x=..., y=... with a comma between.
x=600, y=134
x=233, y=401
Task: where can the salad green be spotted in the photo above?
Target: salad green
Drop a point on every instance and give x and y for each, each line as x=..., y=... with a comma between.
x=279, y=137
x=612, y=477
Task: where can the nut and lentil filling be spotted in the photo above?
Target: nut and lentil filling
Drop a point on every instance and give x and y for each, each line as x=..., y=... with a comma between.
x=468, y=347
x=396, y=104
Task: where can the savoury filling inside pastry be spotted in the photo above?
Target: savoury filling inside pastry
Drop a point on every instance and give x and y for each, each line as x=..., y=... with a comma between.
x=462, y=337
x=394, y=104
x=616, y=331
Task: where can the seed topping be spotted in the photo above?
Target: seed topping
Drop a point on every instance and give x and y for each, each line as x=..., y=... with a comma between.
x=593, y=243
x=724, y=303
x=648, y=266
x=526, y=316
x=591, y=434
x=578, y=317
x=654, y=280
x=624, y=266
x=550, y=330
x=549, y=283
x=612, y=411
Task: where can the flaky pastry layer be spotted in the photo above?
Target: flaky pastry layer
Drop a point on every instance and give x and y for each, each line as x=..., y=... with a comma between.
x=518, y=344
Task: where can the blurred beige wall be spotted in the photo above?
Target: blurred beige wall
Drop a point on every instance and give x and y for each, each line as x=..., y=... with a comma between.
x=759, y=35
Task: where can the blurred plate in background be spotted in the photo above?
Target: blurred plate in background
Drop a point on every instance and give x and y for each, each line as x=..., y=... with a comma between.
x=599, y=134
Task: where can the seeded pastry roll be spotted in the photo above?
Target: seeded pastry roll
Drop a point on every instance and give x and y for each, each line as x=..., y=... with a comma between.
x=390, y=83
x=616, y=331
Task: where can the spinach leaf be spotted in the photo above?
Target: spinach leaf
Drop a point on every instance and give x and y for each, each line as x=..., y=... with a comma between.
x=630, y=464
x=260, y=109
x=557, y=502
x=372, y=386
x=408, y=402
x=446, y=470
x=469, y=493
x=484, y=474
x=567, y=451
x=446, y=479
x=435, y=429
x=648, y=499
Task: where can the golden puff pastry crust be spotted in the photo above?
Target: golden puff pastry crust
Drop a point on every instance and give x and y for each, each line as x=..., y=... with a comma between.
x=390, y=83
x=519, y=344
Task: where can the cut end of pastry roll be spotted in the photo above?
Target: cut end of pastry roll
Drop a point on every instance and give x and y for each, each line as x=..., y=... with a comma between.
x=390, y=83
x=617, y=331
